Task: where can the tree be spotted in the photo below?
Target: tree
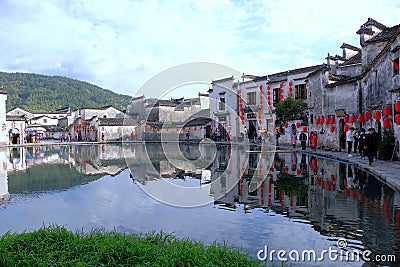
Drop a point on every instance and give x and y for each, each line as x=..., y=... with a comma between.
x=290, y=109
x=387, y=146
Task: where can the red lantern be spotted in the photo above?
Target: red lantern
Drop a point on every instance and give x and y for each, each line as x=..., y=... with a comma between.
x=305, y=129
x=360, y=118
x=332, y=177
x=367, y=116
x=297, y=124
x=386, y=111
x=352, y=119
x=378, y=115
x=317, y=121
x=397, y=118
x=346, y=128
x=286, y=124
x=328, y=120
x=332, y=128
x=397, y=106
x=321, y=120
x=386, y=123
x=346, y=119
x=333, y=119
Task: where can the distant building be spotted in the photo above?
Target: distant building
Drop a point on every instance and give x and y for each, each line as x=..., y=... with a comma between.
x=4, y=130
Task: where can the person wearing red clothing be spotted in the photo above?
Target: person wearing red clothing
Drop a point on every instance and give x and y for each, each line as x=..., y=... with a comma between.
x=314, y=140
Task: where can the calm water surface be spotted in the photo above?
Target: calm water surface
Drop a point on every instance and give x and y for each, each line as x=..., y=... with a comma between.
x=284, y=201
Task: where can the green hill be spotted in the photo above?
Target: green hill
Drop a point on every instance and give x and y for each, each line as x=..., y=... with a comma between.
x=35, y=92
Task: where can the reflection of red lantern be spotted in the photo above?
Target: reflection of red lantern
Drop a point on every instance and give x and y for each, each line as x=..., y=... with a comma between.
x=332, y=177
x=286, y=168
x=298, y=171
x=386, y=123
x=397, y=106
x=333, y=119
x=378, y=115
x=367, y=116
x=328, y=120
x=297, y=124
x=346, y=119
x=352, y=119
x=360, y=118
x=386, y=111
x=346, y=128
x=321, y=120
x=397, y=118
x=286, y=124
x=332, y=128
x=305, y=129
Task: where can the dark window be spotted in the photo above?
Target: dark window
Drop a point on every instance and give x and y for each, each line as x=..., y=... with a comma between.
x=300, y=91
x=251, y=98
x=396, y=66
x=222, y=102
x=275, y=96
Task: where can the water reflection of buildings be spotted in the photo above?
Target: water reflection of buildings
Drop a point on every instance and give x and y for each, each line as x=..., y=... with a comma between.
x=91, y=160
x=337, y=199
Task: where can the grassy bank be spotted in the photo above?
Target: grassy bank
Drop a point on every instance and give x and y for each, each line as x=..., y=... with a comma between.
x=56, y=246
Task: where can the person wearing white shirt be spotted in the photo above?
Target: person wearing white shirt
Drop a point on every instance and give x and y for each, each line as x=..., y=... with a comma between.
x=349, y=139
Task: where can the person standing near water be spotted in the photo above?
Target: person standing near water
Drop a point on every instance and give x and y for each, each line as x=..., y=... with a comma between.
x=372, y=142
x=294, y=139
x=303, y=140
x=349, y=140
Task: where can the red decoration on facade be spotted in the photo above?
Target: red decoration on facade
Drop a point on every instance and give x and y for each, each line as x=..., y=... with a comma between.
x=345, y=128
x=378, y=115
x=352, y=119
x=346, y=119
x=332, y=128
x=397, y=118
x=367, y=116
x=386, y=111
x=386, y=123
x=297, y=124
x=361, y=118
x=397, y=107
x=317, y=121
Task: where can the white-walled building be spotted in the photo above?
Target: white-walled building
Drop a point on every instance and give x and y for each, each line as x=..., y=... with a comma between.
x=4, y=131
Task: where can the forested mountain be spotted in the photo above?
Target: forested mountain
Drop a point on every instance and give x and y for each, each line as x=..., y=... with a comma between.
x=35, y=92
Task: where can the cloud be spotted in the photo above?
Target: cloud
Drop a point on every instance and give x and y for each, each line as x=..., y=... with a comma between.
x=119, y=45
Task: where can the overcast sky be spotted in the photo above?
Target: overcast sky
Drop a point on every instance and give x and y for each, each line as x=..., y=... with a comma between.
x=120, y=44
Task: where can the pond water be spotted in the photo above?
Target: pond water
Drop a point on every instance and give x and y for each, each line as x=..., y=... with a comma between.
x=257, y=200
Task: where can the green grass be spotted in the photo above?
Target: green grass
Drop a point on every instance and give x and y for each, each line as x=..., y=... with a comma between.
x=56, y=246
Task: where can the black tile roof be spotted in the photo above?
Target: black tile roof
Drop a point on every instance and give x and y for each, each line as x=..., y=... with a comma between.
x=345, y=45
x=15, y=117
x=356, y=59
x=384, y=35
x=373, y=22
x=116, y=122
x=282, y=76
